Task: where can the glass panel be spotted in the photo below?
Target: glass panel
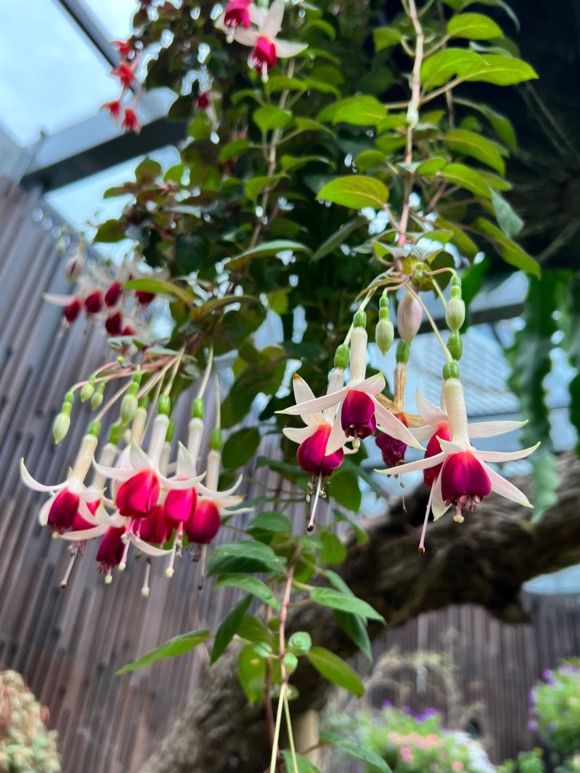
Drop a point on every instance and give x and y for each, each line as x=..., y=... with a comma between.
x=115, y=16
x=51, y=76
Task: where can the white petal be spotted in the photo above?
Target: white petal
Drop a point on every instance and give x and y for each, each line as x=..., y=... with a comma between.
x=389, y=424
x=58, y=300
x=318, y=404
x=302, y=391
x=44, y=511
x=285, y=49
x=90, y=494
x=87, y=515
x=33, y=484
x=428, y=410
x=138, y=458
x=492, y=428
x=145, y=547
x=373, y=385
x=506, y=489
x=272, y=23
x=420, y=464
x=185, y=463
x=438, y=506
x=246, y=37
x=114, y=473
x=505, y=456
x=179, y=484
x=83, y=534
x=257, y=15
x=424, y=432
x=336, y=439
x=298, y=435
x=449, y=447
x=209, y=494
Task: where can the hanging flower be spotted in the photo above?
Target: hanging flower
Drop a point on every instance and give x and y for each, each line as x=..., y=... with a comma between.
x=125, y=72
x=131, y=122
x=114, y=108
x=125, y=48
x=392, y=450
x=266, y=48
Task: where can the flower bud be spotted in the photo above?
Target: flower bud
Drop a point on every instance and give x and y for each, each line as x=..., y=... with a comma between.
x=198, y=408
x=360, y=319
x=97, y=398
x=455, y=313
x=341, y=357
x=94, y=428
x=215, y=440
x=384, y=335
x=409, y=316
x=60, y=427
x=87, y=392
x=115, y=434
x=129, y=407
x=455, y=346
x=403, y=352
x=164, y=405
x=450, y=370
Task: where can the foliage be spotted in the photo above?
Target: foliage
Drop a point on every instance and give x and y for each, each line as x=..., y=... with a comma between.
x=555, y=707
x=526, y=762
x=25, y=743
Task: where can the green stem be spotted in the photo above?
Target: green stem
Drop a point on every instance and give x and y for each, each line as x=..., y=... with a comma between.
x=290, y=734
x=276, y=742
x=433, y=325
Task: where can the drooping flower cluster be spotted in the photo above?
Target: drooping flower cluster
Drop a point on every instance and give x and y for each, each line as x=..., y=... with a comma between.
x=119, y=109
x=251, y=26
x=132, y=501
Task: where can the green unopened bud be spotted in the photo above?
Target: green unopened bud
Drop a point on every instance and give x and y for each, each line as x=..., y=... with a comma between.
x=60, y=427
x=215, y=439
x=455, y=346
x=94, y=428
x=290, y=662
x=170, y=431
x=66, y=408
x=198, y=408
x=115, y=433
x=384, y=335
x=164, y=405
x=455, y=281
x=360, y=319
x=450, y=370
x=87, y=392
x=403, y=352
x=455, y=314
x=69, y=397
x=98, y=396
x=384, y=311
x=341, y=357
x=129, y=407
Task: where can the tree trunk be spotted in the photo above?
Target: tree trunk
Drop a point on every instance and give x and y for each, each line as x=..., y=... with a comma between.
x=483, y=561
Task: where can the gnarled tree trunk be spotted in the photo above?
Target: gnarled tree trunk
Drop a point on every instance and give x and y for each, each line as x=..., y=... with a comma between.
x=484, y=561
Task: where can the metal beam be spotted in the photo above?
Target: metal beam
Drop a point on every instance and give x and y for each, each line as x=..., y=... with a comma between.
x=90, y=27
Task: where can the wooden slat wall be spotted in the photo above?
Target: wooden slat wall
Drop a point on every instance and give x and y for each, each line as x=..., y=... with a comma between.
x=68, y=644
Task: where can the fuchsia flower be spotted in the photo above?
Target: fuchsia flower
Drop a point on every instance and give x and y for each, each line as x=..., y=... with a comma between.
x=72, y=310
x=111, y=549
x=266, y=48
x=93, y=302
x=311, y=454
x=392, y=450
x=138, y=495
x=463, y=478
x=125, y=48
x=204, y=523
x=131, y=122
x=113, y=293
x=125, y=72
x=114, y=108
x=238, y=14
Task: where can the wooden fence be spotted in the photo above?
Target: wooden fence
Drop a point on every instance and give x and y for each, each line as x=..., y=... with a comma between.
x=68, y=644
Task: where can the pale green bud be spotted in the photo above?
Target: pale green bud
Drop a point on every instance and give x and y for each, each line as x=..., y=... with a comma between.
x=341, y=357
x=129, y=407
x=409, y=317
x=455, y=346
x=60, y=427
x=164, y=405
x=403, y=352
x=97, y=398
x=198, y=408
x=450, y=370
x=215, y=440
x=455, y=314
x=87, y=392
x=360, y=319
x=384, y=335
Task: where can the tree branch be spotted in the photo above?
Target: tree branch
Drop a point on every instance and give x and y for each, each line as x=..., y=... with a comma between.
x=483, y=561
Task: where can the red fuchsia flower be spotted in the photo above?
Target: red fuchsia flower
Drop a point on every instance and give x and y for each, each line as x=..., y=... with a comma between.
x=113, y=108
x=154, y=528
x=131, y=122
x=179, y=506
x=357, y=416
x=111, y=550
x=434, y=448
x=114, y=323
x=204, y=523
x=125, y=48
x=144, y=298
x=125, y=72
x=63, y=511
x=266, y=48
x=203, y=101
x=392, y=450
x=94, y=302
x=464, y=478
x=311, y=454
x=72, y=310
x=138, y=495
x=237, y=14
x=128, y=331
x=113, y=294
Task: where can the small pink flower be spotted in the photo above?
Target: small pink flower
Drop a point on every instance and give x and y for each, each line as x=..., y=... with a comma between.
x=111, y=548
x=114, y=108
x=131, y=122
x=237, y=14
x=204, y=524
x=264, y=55
x=138, y=495
x=406, y=754
x=457, y=766
x=125, y=73
x=125, y=48
x=63, y=511
x=311, y=454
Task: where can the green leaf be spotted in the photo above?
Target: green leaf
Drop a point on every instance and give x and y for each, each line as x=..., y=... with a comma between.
x=296, y=162
x=507, y=249
x=501, y=125
x=465, y=65
x=240, y=447
x=255, y=185
x=386, y=37
x=110, y=231
x=302, y=764
x=368, y=159
x=473, y=26
x=148, y=171
x=228, y=629
x=254, y=551
x=234, y=149
x=269, y=117
x=333, y=549
x=335, y=670
x=353, y=625
x=179, y=645
x=252, y=673
x=339, y=237
x=431, y=166
x=300, y=642
x=278, y=300
x=345, y=490
x=355, y=192
x=359, y=111
x=310, y=125
x=327, y=597
x=546, y=482
x=467, y=178
x=356, y=750
x=266, y=249
x=255, y=630
x=478, y=147
x=274, y=522
x=251, y=585
x=466, y=246
x=509, y=222
x=161, y=287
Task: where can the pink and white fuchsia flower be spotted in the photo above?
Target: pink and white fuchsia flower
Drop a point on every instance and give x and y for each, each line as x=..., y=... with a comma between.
x=462, y=476
x=266, y=48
